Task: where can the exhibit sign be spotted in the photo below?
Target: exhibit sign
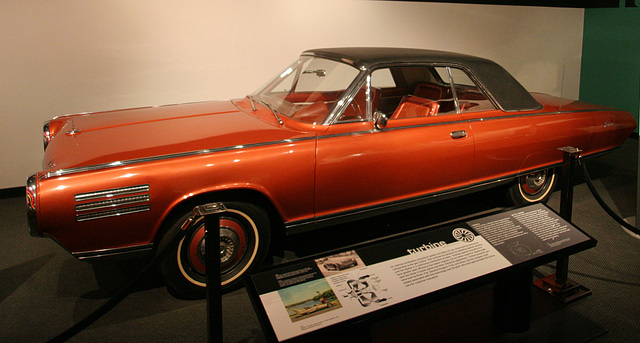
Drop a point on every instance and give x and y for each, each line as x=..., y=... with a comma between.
x=311, y=294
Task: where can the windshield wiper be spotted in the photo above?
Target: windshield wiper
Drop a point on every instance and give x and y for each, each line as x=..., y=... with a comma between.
x=267, y=105
x=275, y=113
x=253, y=104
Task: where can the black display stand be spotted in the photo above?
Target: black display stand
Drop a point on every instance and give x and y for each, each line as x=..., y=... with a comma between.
x=558, y=284
x=345, y=291
x=469, y=317
x=211, y=213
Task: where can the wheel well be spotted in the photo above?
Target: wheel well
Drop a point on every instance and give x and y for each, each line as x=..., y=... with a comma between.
x=248, y=196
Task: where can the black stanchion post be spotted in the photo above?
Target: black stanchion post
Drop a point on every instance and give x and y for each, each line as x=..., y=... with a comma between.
x=559, y=284
x=570, y=155
x=212, y=262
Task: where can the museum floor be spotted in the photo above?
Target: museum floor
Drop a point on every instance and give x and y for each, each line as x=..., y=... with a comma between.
x=43, y=290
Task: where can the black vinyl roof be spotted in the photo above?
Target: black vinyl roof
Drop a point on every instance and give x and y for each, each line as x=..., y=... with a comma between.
x=507, y=92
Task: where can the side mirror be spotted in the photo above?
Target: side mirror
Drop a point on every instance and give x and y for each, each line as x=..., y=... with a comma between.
x=381, y=120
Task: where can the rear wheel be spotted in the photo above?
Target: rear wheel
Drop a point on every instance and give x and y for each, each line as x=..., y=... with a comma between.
x=244, y=241
x=533, y=187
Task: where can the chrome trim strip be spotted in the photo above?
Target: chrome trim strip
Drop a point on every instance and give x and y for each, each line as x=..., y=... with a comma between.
x=115, y=252
x=115, y=164
x=109, y=193
x=81, y=114
x=112, y=213
x=533, y=114
x=62, y=172
x=112, y=203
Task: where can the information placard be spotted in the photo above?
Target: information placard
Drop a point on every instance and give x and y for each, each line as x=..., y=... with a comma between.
x=305, y=296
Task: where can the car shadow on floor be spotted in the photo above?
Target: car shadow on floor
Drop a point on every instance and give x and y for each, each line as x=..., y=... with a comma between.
x=15, y=276
x=102, y=279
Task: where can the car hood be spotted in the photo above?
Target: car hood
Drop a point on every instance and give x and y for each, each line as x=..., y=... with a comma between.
x=106, y=137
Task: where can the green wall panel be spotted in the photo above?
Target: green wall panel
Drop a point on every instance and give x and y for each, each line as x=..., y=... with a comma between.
x=610, y=73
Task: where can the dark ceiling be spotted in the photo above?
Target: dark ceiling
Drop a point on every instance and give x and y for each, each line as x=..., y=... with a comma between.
x=548, y=3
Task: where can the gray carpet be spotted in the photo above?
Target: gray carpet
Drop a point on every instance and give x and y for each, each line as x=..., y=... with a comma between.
x=43, y=290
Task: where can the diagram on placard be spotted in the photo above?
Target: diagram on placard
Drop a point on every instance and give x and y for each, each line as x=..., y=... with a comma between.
x=366, y=289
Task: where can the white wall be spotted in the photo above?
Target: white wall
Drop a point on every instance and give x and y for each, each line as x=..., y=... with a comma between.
x=68, y=56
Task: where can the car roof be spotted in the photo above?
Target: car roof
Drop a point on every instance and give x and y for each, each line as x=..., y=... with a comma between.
x=505, y=90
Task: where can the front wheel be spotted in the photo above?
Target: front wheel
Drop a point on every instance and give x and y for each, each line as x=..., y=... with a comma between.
x=533, y=187
x=244, y=241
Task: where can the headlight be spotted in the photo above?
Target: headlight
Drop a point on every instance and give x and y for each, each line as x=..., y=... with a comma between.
x=46, y=135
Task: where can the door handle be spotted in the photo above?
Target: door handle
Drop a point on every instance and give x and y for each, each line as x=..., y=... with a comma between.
x=458, y=134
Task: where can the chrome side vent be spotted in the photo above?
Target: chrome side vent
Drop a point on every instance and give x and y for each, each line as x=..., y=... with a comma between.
x=110, y=193
x=112, y=213
x=112, y=202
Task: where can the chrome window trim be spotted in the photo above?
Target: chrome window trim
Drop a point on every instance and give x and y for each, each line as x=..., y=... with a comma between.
x=347, y=98
x=454, y=94
x=368, y=94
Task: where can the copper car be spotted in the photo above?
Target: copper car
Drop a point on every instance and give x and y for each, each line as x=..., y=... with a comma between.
x=338, y=135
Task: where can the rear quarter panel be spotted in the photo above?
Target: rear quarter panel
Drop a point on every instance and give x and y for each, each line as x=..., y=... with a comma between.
x=511, y=143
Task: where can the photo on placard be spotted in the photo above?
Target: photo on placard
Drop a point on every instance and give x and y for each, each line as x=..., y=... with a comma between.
x=309, y=299
x=339, y=262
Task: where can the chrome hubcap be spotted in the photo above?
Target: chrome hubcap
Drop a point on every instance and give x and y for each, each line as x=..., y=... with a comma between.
x=536, y=181
x=229, y=243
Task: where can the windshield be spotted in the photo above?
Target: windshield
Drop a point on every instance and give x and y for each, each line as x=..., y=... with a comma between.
x=308, y=89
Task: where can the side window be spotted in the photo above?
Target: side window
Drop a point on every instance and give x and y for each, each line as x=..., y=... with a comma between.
x=423, y=91
x=410, y=92
x=470, y=97
x=382, y=78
